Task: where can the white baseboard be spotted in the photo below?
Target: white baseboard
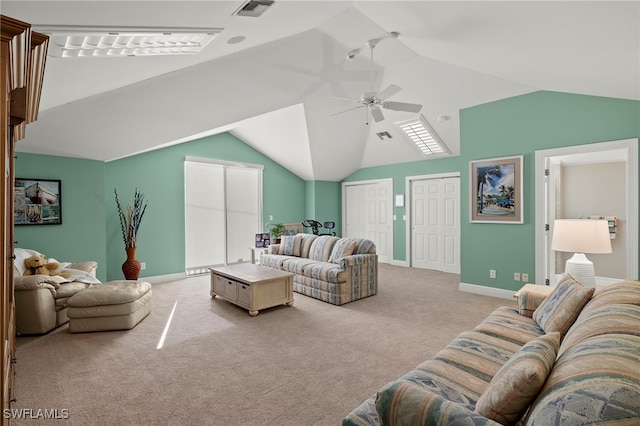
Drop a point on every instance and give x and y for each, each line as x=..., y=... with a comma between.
x=486, y=291
x=404, y=263
x=164, y=278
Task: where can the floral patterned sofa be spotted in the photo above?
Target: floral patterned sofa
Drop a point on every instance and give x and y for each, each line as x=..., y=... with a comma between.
x=572, y=358
x=328, y=268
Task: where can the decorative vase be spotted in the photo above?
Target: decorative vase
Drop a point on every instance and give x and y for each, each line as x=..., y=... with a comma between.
x=131, y=267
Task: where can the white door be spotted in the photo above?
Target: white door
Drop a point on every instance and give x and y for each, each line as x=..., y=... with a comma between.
x=369, y=214
x=435, y=224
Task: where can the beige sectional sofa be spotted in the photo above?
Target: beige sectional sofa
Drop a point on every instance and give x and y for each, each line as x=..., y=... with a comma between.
x=41, y=300
x=331, y=269
x=572, y=358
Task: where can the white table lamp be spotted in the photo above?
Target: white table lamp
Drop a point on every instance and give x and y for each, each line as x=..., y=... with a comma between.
x=581, y=236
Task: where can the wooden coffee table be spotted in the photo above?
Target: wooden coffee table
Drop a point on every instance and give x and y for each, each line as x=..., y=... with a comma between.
x=252, y=287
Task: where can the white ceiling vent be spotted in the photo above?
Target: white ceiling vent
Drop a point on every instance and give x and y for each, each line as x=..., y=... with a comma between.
x=254, y=8
x=384, y=135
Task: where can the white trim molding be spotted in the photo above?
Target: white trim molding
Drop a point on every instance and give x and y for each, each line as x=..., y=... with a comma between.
x=486, y=291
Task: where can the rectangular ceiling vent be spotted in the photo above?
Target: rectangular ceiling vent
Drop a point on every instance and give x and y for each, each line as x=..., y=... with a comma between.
x=384, y=135
x=424, y=137
x=254, y=8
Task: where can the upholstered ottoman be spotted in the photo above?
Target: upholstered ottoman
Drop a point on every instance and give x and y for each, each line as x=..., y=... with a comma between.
x=115, y=305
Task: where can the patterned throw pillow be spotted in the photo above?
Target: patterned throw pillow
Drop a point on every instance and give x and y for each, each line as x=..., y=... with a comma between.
x=290, y=245
x=561, y=308
x=519, y=380
x=344, y=247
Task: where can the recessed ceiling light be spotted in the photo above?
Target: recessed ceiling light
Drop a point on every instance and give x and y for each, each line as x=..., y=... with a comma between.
x=76, y=42
x=236, y=40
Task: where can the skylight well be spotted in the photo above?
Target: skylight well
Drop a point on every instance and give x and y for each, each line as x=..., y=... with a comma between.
x=76, y=42
x=424, y=137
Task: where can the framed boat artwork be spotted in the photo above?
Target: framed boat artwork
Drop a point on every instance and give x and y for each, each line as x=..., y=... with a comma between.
x=496, y=190
x=37, y=201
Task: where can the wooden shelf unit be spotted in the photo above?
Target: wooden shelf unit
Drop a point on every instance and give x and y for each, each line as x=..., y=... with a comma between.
x=24, y=54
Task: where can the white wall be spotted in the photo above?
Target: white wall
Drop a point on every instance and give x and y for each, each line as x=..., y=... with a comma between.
x=598, y=189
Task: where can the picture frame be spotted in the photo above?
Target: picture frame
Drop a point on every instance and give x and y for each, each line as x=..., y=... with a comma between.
x=496, y=190
x=263, y=240
x=37, y=201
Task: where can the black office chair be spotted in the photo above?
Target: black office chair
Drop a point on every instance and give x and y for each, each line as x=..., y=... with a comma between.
x=329, y=226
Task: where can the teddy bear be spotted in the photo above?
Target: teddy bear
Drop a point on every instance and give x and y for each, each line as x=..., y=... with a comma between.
x=38, y=265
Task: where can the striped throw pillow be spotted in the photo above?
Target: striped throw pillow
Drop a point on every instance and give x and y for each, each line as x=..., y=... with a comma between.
x=519, y=380
x=561, y=308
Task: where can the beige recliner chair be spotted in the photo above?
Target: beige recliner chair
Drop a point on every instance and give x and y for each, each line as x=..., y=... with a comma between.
x=41, y=300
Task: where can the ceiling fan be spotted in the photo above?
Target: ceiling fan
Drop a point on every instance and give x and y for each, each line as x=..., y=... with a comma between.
x=375, y=101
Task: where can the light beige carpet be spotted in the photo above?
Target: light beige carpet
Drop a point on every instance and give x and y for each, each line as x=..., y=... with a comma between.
x=309, y=364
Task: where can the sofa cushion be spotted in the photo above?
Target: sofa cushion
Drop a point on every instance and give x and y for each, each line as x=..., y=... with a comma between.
x=508, y=324
x=110, y=293
x=290, y=245
x=596, y=381
x=401, y=403
x=321, y=248
x=305, y=244
x=607, y=319
x=519, y=380
x=344, y=247
x=561, y=308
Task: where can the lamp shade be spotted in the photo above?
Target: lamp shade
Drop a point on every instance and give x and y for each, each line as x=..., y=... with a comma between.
x=581, y=236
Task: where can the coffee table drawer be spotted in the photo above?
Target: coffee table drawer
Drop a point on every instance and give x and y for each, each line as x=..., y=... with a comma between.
x=244, y=294
x=225, y=287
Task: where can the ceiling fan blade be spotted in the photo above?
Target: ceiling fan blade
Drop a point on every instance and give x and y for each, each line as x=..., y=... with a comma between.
x=346, y=110
x=376, y=113
x=389, y=92
x=402, y=106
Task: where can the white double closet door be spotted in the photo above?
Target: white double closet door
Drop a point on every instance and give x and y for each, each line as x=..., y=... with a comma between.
x=368, y=213
x=435, y=223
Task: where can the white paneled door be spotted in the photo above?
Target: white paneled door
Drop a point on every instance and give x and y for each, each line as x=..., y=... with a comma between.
x=369, y=214
x=435, y=224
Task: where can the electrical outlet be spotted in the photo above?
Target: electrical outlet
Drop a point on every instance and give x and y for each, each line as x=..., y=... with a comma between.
x=525, y=277
x=143, y=265
x=270, y=217
x=492, y=273
x=516, y=276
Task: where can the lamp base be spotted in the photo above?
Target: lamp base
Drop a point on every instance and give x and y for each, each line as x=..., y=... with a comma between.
x=581, y=269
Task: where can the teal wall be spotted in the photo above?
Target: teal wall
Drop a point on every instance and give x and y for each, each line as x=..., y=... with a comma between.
x=82, y=234
x=160, y=176
x=323, y=202
x=520, y=126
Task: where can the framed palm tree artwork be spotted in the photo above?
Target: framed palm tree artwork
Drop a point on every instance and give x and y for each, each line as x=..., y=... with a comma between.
x=496, y=190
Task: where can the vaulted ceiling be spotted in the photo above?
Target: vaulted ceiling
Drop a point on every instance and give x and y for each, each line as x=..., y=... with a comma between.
x=277, y=89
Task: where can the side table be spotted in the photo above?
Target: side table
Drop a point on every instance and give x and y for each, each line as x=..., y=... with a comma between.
x=256, y=251
x=539, y=290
